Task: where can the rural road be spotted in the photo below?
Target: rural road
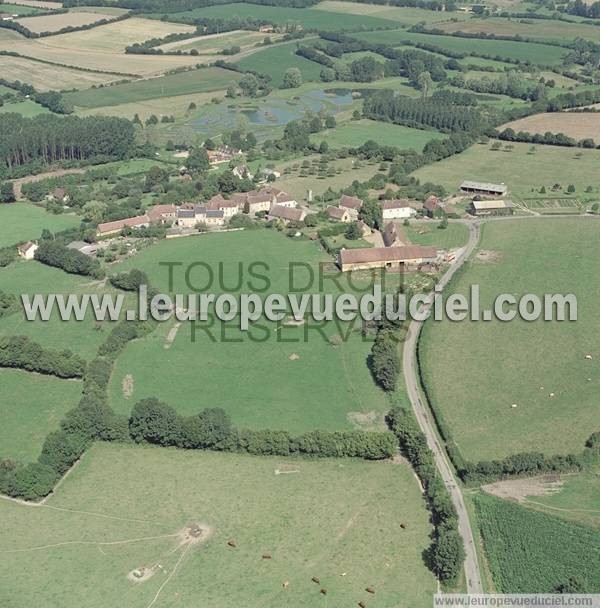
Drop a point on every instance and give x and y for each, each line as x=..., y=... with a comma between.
x=427, y=424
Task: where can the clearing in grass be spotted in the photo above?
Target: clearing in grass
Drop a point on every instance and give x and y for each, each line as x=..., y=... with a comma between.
x=125, y=509
x=475, y=371
x=292, y=376
x=32, y=406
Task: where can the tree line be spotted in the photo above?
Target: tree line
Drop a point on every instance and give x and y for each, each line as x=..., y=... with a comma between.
x=49, y=139
x=53, y=100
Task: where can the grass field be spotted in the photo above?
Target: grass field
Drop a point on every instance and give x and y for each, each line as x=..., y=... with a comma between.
x=537, y=29
x=543, y=54
x=427, y=233
x=54, y=23
x=298, y=518
x=530, y=552
x=356, y=133
x=46, y=77
x=26, y=108
x=474, y=385
x=406, y=15
x=522, y=169
x=271, y=389
x=31, y=407
x=309, y=18
x=21, y=221
x=573, y=124
x=275, y=60
x=22, y=10
x=185, y=83
x=214, y=43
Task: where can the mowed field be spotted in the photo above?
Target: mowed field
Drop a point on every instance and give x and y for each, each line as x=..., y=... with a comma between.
x=357, y=132
x=475, y=371
x=46, y=77
x=574, y=124
x=537, y=29
x=122, y=507
x=214, y=43
x=184, y=83
x=286, y=377
x=543, y=54
x=32, y=406
x=55, y=23
x=522, y=168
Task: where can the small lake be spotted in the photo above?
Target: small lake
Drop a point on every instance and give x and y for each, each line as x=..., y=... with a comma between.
x=273, y=112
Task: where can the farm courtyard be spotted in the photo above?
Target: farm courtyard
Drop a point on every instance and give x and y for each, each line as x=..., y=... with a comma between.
x=124, y=508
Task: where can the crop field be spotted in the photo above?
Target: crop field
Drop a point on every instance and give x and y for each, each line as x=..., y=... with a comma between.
x=276, y=367
x=531, y=552
x=543, y=54
x=54, y=23
x=21, y=221
x=41, y=4
x=46, y=77
x=544, y=369
x=32, y=406
x=524, y=168
x=356, y=133
x=119, y=528
x=214, y=43
x=539, y=29
x=309, y=18
x=406, y=15
x=275, y=60
x=184, y=83
x=573, y=124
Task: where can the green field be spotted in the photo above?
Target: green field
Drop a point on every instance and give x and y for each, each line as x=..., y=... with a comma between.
x=275, y=60
x=184, y=83
x=530, y=552
x=308, y=18
x=270, y=389
x=428, y=233
x=26, y=108
x=338, y=520
x=32, y=406
x=475, y=371
x=31, y=277
x=523, y=170
x=543, y=54
x=22, y=221
x=356, y=133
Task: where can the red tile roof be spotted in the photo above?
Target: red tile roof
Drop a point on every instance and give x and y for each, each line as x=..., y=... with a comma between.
x=129, y=222
x=387, y=254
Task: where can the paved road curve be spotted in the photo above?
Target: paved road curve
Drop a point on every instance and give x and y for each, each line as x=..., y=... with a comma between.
x=473, y=575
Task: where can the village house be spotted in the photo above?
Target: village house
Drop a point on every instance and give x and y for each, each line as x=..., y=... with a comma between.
x=108, y=228
x=281, y=198
x=390, y=234
x=59, y=195
x=266, y=28
x=365, y=230
x=432, y=207
x=162, y=214
x=190, y=216
x=27, y=250
x=242, y=172
x=214, y=218
x=397, y=210
x=338, y=214
x=495, y=207
x=222, y=155
x=351, y=203
x=286, y=214
x=484, y=188
x=83, y=247
x=407, y=257
x=266, y=173
x=229, y=206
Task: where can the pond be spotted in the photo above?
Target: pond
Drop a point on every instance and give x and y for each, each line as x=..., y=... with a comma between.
x=273, y=112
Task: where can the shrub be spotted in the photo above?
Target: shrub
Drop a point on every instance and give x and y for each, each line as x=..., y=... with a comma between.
x=61, y=450
x=155, y=422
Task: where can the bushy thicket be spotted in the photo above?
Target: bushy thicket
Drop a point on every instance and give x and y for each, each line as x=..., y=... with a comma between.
x=129, y=281
x=22, y=353
x=384, y=360
x=446, y=553
x=54, y=253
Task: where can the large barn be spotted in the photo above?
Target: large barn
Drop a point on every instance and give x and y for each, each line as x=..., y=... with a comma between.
x=409, y=257
x=484, y=188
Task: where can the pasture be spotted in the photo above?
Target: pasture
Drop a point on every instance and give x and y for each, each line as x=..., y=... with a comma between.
x=525, y=168
x=539, y=366
x=31, y=407
x=22, y=221
x=297, y=518
x=574, y=124
x=26, y=108
x=276, y=367
x=46, y=77
x=543, y=54
x=275, y=60
x=357, y=132
x=427, y=233
x=531, y=552
x=536, y=29
x=55, y=23
x=184, y=83
x=308, y=18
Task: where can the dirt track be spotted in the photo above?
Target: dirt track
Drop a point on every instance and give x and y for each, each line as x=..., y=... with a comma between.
x=18, y=183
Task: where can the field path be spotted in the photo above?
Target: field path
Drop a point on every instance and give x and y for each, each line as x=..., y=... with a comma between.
x=18, y=183
x=427, y=424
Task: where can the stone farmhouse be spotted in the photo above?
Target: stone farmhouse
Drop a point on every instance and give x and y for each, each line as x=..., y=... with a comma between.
x=408, y=257
x=399, y=209
x=27, y=250
x=286, y=214
x=115, y=227
x=339, y=214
